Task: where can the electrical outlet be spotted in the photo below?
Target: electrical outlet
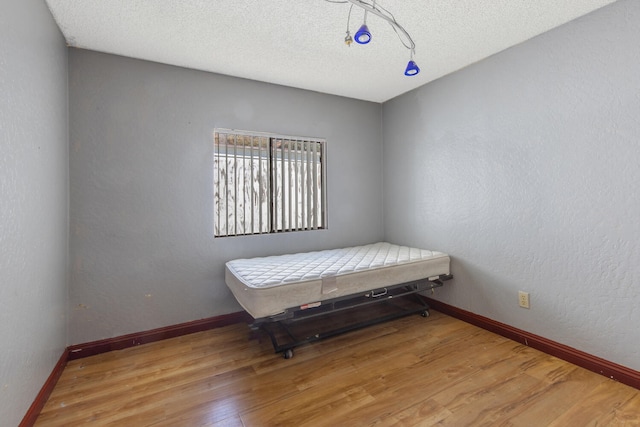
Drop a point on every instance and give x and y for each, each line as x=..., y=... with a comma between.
x=523, y=299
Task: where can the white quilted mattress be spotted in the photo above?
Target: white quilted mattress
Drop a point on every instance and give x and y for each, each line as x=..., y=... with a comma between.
x=270, y=285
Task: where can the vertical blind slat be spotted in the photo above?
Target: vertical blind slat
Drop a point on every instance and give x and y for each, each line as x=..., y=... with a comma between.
x=251, y=185
x=235, y=185
x=226, y=179
x=242, y=219
x=274, y=185
x=310, y=189
x=296, y=187
x=283, y=226
x=315, y=183
x=228, y=182
x=290, y=224
x=304, y=194
x=216, y=184
x=260, y=184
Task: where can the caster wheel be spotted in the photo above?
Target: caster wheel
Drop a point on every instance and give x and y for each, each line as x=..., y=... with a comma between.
x=288, y=354
x=425, y=313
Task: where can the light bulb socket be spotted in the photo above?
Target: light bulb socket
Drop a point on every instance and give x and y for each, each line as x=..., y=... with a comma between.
x=348, y=39
x=412, y=68
x=363, y=36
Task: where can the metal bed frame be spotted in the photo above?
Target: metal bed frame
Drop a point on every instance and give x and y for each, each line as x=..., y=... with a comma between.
x=300, y=325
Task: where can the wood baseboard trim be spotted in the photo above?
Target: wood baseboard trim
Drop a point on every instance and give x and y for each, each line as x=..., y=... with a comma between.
x=593, y=363
x=79, y=351
x=38, y=403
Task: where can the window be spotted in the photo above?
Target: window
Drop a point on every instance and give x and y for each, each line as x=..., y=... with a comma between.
x=266, y=183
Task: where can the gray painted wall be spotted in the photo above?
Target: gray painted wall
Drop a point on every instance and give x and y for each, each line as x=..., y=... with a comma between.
x=33, y=202
x=525, y=168
x=141, y=149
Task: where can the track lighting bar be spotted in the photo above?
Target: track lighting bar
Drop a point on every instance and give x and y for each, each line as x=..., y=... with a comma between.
x=363, y=35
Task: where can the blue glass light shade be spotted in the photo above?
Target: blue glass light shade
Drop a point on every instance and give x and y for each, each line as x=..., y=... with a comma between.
x=412, y=69
x=363, y=36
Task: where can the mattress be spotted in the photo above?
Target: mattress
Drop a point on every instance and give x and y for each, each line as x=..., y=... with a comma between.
x=271, y=285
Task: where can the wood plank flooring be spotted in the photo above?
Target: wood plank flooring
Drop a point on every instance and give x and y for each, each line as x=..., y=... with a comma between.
x=408, y=372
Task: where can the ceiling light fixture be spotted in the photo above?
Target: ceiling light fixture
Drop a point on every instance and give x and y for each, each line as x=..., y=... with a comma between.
x=363, y=35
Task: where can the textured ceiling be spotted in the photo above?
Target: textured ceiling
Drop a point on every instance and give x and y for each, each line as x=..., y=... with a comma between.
x=299, y=43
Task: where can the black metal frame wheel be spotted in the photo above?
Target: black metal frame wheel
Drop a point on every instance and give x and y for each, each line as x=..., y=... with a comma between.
x=288, y=353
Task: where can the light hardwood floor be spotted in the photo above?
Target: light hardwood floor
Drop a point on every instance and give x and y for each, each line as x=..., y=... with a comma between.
x=411, y=371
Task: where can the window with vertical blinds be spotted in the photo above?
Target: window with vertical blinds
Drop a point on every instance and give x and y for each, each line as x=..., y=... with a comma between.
x=265, y=183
